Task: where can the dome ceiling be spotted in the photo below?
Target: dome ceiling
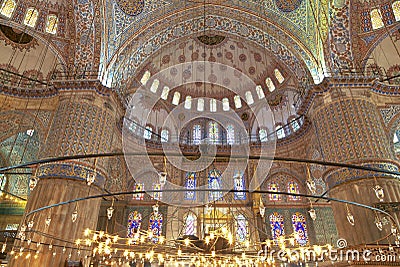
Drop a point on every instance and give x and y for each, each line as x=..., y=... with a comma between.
x=138, y=29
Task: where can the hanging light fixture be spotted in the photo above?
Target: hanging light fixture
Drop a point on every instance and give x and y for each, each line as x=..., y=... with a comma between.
x=30, y=224
x=162, y=176
x=155, y=209
x=48, y=221
x=3, y=248
x=74, y=216
x=393, y=229
x=350, y=217
x=110, y=210
x=91, y=176
x=380, y=194
x=33, y=182
x=262, y=208
x=378, y=222
x=310, y=182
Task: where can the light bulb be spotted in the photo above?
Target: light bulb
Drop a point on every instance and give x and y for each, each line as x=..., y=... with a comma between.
x=63, y=250
x=162, y=178
x=212, y=236
x=187, y=242
x=29, y=241
x=213, y=253
x=50, y=246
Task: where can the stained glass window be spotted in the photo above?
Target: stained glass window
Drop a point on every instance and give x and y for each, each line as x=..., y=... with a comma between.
x=148, y=132
x=230, y=134
x=155, y=225
x=157, y=195
x=139, y=187
x=376, y=19
x=225, y=104
x=165, y=92
x=260, y=92
x=249, y=98
x=7, y=8
x=270, y=84
x=213, y=132
x=164, y=135
x=274, y=187
x=214, y=182
x=279, y=76
x=238, y=101
x=145, y=77
x=396, y=10
x=241, y=228
x=154, y=86
x=200, y=104
x=51, y=24
x=293, y=188
x=263, y=134
x=295, y=124
x=277, y=226
x=238, y=179
x=280, y=133
x=190, y=183
x=196, y=134
x=31, y=17
x=300, y=228
x=213, y=105
x=190, y=224
x=134, y=223
x=176, y=98
x=188, y=102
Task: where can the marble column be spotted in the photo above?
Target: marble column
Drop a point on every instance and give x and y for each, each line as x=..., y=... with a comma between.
x=82, y=124
x=350, y=130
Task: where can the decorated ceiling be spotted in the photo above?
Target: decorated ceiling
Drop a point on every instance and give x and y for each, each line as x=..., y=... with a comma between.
x=135, y=30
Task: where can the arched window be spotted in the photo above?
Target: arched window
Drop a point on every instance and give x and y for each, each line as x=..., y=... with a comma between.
x=31, y=17
x=176, y=98
x=249, y=98
x=213, y=132
x=190, y=184
x=277, y=226
x=148, y=131
x=51, y=24
x=260, y=92
x=270, y=84
x=3, y=180
x=279, y=76
x=263, y=134
x=396, y=141
x=213, y=105
x=157, y=195
x=294, y=189
x=145, y=77
x=134, y=223
x=230, y=134
x=294, y=123
x=225, y=104
x=154, y=86
x=376, y=19
x=190, y=224
x=274, y=187
x=188, y=102
x=196, y=134
x=7, y=8
x=238, y=101
x=214, y=182
x=138, y=196
x=300, y=228
x=164, y=135
x=165, y=92
x=200, y=104
x=238, y=180
x=396, y=10
x=280, y=133
x=155, y=225
x=242, y=230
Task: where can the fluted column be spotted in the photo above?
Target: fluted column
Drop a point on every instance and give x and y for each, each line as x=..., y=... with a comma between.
x=83, y=124
x=350, y=130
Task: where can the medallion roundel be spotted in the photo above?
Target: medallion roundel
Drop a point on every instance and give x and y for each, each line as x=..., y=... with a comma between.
x=287, y=5
x=131, y=7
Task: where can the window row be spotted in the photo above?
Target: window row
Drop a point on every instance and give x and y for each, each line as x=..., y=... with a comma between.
x=212, y=105
x=377, y=18
x=135, y=223
x=31, y=16
x=214, y=183
x=281, y=131
x=299, y=224
x=292, y=188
